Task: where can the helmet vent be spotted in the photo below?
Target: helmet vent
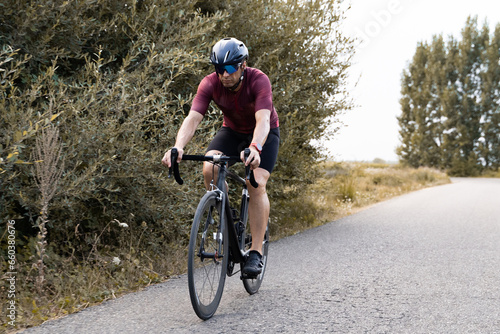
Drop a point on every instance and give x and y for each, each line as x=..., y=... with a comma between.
x=226, y=56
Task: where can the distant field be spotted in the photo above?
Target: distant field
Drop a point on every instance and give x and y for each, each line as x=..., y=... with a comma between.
x=347, y=187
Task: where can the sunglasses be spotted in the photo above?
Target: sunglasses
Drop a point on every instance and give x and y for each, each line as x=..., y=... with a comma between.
x=230, y=69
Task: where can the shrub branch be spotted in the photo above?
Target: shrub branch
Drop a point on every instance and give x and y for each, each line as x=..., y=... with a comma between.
x=47, y=173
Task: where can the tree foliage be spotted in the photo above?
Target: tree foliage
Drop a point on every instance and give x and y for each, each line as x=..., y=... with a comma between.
x=450, y=103
x=117, y=79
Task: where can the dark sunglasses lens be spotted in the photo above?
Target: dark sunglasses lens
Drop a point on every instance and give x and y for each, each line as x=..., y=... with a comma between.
x=229, y=68
x=219, y=69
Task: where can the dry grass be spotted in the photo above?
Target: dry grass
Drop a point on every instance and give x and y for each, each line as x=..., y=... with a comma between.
x=347, y=187
x=491, y=173
x=72, y=285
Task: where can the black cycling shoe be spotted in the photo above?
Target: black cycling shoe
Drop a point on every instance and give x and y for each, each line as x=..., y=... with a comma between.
x=253, y=265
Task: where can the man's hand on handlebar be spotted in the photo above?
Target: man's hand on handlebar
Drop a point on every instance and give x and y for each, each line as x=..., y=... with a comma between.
x=166, y=161
x=253, y=159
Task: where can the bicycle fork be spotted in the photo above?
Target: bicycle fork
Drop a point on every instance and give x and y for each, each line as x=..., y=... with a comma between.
x=217, y=236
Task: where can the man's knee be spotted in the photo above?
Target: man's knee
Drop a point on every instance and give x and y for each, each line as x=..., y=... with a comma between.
x=261, y=177
x=208, y=168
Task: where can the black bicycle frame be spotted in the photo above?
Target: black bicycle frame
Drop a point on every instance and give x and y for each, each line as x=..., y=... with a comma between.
x=234, y=243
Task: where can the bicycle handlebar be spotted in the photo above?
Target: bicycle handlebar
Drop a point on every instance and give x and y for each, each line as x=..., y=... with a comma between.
x=175, y=166
x=174, y=154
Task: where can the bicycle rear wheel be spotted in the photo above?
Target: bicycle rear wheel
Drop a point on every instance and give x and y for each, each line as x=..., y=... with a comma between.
x=252, y=285
x=208, y=256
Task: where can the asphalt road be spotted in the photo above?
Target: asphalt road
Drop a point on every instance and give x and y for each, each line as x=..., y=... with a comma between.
x=426, y=262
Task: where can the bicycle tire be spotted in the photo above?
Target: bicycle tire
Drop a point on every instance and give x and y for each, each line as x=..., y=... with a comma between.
x=252, y=285
x=208, y=256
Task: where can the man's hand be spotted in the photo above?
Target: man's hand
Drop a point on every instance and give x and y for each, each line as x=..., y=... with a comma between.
x=167, y=158
x=253, y=159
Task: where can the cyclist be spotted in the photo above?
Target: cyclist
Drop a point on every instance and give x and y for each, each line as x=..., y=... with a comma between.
x=244, y=96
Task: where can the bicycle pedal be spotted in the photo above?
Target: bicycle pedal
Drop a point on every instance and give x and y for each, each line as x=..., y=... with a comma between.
x=246, y=276
x=230, y=268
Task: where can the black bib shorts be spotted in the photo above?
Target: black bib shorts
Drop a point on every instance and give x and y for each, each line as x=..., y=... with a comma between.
x=231, y=142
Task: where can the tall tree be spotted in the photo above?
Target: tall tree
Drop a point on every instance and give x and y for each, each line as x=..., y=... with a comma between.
x=421, y=111
x=448, y=105
x=436, y=82
x=413, y=101
x=490, y=103
x=468, y=89
x=450, y=102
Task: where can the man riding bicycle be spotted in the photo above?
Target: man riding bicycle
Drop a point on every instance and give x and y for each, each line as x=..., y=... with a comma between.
x=250, y=120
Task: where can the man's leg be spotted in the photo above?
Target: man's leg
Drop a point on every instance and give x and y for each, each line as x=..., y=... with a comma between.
x=209, y=169
x=258, y=209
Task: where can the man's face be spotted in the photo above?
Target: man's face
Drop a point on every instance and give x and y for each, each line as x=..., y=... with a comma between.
x=229, y=80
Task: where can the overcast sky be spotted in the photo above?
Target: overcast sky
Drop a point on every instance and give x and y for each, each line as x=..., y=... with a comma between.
x=389, y=31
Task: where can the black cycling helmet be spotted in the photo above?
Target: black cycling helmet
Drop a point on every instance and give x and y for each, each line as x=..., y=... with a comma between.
x=227, y=56
x=228, y=51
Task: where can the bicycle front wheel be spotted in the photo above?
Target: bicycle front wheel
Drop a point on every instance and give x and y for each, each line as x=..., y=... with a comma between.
x=208, y=256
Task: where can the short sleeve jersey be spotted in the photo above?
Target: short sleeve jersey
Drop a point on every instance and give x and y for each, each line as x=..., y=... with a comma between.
x=239, y=107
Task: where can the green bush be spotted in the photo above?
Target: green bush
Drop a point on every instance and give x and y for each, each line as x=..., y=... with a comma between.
x=116, y=113
x=117, y=80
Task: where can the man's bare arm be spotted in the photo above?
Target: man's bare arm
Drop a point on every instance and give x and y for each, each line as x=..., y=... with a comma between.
x=184, y=135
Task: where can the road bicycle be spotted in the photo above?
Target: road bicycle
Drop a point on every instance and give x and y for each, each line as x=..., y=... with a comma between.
x=220, y=238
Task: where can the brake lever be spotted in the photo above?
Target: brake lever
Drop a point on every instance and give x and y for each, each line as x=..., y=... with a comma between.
x=174, y=154
x=249, y=173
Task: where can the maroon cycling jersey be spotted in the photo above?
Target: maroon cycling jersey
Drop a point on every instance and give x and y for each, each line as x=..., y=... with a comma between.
x=238, y=107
